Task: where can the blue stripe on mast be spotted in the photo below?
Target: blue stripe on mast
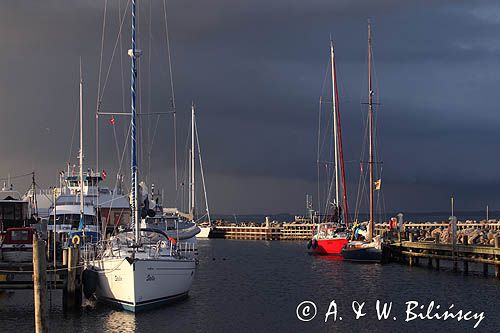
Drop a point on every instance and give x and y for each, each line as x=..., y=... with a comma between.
x=135, y=221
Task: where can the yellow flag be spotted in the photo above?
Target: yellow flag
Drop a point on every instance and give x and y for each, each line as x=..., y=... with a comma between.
x=377, y=184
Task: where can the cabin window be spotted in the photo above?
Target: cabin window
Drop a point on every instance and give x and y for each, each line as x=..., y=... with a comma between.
x=8, y=212
x=19, y=235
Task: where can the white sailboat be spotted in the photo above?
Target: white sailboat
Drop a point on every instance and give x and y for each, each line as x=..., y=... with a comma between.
x=142, y=268
x=205, y=227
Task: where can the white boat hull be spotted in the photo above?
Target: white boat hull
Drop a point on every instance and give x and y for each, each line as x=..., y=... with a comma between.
x=204, y=233
x=143, y=283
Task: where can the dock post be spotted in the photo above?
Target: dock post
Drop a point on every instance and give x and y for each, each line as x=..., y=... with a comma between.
x=40, y=285
x=497, y=267
x=437, y=260
x=465, y=241
x=65, y=257
x=410, y=257
x=454, y=253
x=70, y=296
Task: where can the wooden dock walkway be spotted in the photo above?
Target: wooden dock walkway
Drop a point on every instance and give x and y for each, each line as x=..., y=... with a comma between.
x=410, y=251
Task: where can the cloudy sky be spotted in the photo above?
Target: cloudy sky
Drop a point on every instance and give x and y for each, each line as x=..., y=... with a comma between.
x=255, y=70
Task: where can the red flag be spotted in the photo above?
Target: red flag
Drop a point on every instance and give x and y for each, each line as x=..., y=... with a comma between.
x=112, y=120
x=104, y=174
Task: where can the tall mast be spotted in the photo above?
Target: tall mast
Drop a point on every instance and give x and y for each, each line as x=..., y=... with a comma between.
x=341, y=150
x=370, y=129
x=192, y=192
x=82, y=203
x=134, y=200
x=335, y=143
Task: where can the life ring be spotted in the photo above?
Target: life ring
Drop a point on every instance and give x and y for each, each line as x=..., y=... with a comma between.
x=75, y=240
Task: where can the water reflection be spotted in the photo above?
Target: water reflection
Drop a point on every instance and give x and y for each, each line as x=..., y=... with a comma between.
x=119, y=321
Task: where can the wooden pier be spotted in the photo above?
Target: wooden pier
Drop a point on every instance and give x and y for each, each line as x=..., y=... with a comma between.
x=40, y=276
x=458, y=250
x=286, y=231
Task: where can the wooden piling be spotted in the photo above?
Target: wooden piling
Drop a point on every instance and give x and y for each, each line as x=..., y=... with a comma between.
x=497, y=267
x=71, y=298
x=65, y=257
x=410, y=258
x=40, y=285
x=437, y=260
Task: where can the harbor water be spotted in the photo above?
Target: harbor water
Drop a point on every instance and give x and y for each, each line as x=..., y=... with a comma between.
x=257, y=286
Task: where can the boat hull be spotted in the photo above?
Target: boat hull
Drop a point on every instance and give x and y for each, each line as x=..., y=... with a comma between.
x=140, y=284
x=16, y=253
x=363, y=254
x=330, y=246
x=204, y=233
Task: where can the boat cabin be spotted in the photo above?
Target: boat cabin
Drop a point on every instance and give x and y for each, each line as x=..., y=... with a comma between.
x=18, y=236
x=14, y=211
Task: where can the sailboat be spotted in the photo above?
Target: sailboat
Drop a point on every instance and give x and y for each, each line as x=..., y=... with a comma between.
x=370, y=249
x=205, y=227
x=331, y=237
x=139, y=268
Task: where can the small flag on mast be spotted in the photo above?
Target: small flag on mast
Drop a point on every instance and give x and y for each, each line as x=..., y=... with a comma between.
x=377, y=184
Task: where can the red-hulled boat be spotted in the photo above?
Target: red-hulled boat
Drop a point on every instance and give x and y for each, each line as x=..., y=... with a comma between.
x=17, y=245
x=331, y=236
x=328, y=238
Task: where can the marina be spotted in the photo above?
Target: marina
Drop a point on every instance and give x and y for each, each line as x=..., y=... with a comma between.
x=284, y=288
x=155, y=155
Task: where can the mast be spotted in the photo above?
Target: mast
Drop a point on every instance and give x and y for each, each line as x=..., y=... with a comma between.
x=370, y=128
x=133, y=53
x=335, y=143
x=82, y=202
x=202, y=175
x=341, y=150
x=192, y=210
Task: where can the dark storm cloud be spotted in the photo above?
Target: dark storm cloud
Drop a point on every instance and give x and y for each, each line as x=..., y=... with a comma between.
x=255, y=71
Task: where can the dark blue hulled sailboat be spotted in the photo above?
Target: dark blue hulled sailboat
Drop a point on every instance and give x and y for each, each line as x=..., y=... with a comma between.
x=368, y=251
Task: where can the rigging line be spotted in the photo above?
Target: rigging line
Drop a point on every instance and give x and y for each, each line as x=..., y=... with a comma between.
x=120, y=166
x=98, y=103
x=327, y=135
x=74, y=130
x=116, y=143
x=360, y=193
x=113, y=53
x=319, y=134
x=186, y=169
x=172, y=89
x=17, y=176
x=201, y=172
x=101, y=55
x=149, y=89
x=318, y=156
x=323, y=102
